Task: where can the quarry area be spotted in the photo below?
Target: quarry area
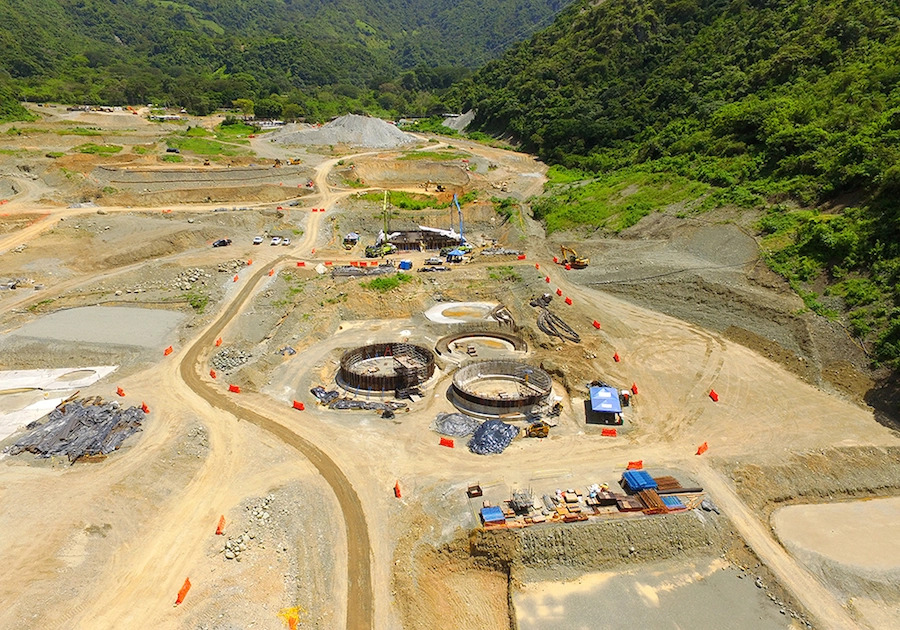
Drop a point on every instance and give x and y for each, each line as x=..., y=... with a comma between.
x=337, y=377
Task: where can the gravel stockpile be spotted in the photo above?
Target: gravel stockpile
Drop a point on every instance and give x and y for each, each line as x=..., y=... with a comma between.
x=455, y=424
x=351, y=129
x=229, y=359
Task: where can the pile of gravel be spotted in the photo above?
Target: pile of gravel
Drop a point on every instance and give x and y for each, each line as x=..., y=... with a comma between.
x=228, y=359
x=352, y=129
x=455, y=424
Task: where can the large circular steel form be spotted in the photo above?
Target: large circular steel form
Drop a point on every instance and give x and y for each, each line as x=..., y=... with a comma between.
x=498, y=388
x=383, y=367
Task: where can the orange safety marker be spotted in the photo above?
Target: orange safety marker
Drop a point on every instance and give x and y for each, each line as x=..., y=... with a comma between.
x=144, y=407
x=313, y=250
x=446, y=442
x=212, y=373
x=702, y=448
x=547, y=279
x=184, y=591
x=220, y=530
x=168, y=351
x=568, y=267
x=537, y=266
x=556, y=260
x=218, y=342
x=120, y=391
x=328, y=263
x=300, y=263
x=249, y=261
x=609, y=433
x=616, y=357
x=569, y=301
x=713, y=395
x=299, y=405
x=559, y=292
x=521, y=257
x=235, y=279
x=634, y=388
x=397, y=489
x=636, y=465
x=271, y=272
x=235, y=389
x=596, y=324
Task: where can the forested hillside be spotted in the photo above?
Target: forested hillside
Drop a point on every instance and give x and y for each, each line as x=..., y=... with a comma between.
x=205, y=53
x=790, y=108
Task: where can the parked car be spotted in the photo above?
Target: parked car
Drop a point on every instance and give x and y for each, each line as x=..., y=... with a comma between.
x=258, y=240
x=276, y=240
x=286, y=240
x=172, y=150
x=222, y=242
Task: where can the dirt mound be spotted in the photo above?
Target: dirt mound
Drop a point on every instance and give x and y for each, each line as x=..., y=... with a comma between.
x=351, y=129
x=380, y=172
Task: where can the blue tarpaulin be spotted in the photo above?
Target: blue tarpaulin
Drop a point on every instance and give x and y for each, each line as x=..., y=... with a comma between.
x=673, y=503
x=492, y=515
x=605, y=399
x=638, y=480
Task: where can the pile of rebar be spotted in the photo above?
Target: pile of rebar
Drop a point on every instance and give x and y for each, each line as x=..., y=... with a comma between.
x=81, y=428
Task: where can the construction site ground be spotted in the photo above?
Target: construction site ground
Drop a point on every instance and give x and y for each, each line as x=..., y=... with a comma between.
x=308, y=496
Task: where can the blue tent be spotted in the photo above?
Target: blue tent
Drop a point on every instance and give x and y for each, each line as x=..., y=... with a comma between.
x=605, y=399
x=492, y=515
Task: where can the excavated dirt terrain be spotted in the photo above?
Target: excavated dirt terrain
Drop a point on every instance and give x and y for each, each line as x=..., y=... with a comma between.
x=686, y=302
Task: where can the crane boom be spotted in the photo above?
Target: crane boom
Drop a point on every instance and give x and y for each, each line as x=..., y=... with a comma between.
x=462, y=239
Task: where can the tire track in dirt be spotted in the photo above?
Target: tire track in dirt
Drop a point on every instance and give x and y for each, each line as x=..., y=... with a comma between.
x=360, y=595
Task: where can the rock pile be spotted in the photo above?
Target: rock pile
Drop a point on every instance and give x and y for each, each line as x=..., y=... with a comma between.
x=231, y=266
x=228, y=359
x=235, y=546
x=350, y=129
x=186, y=279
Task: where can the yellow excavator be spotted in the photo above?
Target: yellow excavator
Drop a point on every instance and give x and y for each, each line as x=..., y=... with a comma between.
x=571, y=257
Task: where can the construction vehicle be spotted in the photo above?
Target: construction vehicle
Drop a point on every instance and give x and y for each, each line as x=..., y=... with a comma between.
x=277, y=163
x=571, y=257
x=381, y=246
x=537, y=430
x=295, y=161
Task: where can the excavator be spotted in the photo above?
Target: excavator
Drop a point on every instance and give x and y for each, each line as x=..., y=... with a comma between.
x=571, y=257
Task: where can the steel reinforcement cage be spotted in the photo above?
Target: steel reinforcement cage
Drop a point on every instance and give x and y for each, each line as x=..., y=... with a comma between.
x=536, y=378
x=403, y=375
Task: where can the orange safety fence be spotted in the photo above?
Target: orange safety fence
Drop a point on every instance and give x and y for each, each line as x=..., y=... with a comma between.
x=184, y=591
x=635, y=465
x=234, y=389
x=120, y=391
x=609, y=433
x=220, y=530
x=521, y=257
x=212, y=373
x=596, y=324
x=446, y=442
x=713, y=395
x=702, y=448
x=168, y=351
x=299, y=405
x=300, y=263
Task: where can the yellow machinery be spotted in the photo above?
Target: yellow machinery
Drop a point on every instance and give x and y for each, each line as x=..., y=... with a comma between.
x=537, y=430
x=571, y=257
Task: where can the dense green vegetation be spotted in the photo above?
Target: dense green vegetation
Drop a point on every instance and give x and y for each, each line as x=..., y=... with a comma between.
x=383, y=284
x=785, y=107
x=318, y=58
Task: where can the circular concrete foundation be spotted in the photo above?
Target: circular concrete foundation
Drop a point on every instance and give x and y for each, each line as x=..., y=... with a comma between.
x=499, y=388
x=384, y=367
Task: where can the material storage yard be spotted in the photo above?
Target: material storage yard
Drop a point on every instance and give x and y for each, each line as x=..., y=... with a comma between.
x=357, y=429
